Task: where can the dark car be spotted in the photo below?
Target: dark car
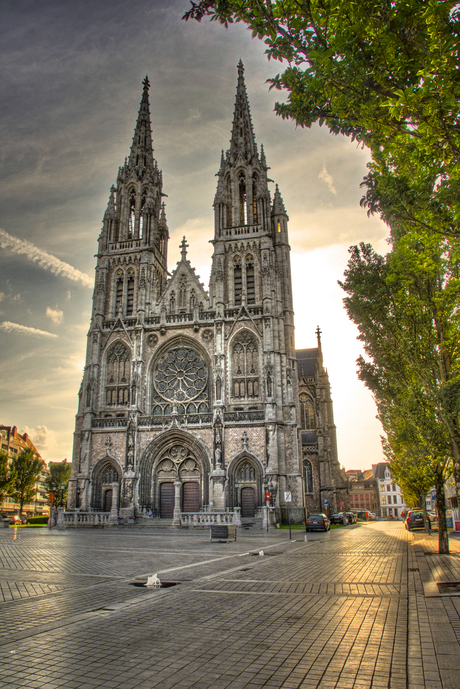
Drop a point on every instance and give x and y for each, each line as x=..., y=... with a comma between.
x=317, y=522
x=337, y=518
x=414, y=520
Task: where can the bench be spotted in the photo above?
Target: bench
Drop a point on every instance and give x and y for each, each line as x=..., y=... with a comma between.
x=222, y=532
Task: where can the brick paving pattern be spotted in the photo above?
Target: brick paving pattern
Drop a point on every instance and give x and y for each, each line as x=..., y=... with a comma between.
x=355, y=608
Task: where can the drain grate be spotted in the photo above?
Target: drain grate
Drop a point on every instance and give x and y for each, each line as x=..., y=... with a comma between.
x=414, y=569
x=449, y=587
x=163, y=584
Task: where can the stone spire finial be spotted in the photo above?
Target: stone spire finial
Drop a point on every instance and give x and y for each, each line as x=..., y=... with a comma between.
x=183, y=249
x=110, y=210
x=318, y=336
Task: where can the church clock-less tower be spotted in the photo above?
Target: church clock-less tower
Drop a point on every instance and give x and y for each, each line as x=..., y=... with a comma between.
x=189, y=399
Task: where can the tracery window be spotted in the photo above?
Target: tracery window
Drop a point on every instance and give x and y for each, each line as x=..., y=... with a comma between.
x=180, y=381
x=250, y=280
x=246, y=473
x=130, y=293
x=237, y=280
x=229, y=202
x=132, y=214
x=307, y=412
x=255, y=218
x=118, y=375
x=142, y=219
x=183, y=292
x=243, y=215
x=308, y=476
x=245, y=367
x=119, y=292
x=110, y=475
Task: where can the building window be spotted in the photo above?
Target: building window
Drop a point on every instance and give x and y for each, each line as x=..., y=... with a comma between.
x=242, y=198
x=130, y=293
x=250, y=280
x=237, y=280
x=119, y=293
x=245, y=365
x=132, y=214
x=308, y=476
x=255, y=218
x=229, y=202
x=307, y=412
x=118, y=375
x=180, y=381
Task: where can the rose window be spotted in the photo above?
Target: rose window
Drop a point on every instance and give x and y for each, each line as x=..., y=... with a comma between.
x=181, y=374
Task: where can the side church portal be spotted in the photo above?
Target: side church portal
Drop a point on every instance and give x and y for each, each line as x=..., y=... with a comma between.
x=192, y=400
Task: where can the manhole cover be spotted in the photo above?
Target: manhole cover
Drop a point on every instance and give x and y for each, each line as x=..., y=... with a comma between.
x=449, y=587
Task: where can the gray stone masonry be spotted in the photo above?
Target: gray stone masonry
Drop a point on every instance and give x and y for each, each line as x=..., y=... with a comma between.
x=354, y=608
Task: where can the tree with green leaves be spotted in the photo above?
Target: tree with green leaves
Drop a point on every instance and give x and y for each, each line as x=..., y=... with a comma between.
x=406, y=308
x=57, y=481
x=6, y=476
x=381, y=72
x=26, y=467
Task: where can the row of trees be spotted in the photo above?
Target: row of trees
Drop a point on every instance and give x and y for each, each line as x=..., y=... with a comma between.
x=19, y=476
x=385, y=73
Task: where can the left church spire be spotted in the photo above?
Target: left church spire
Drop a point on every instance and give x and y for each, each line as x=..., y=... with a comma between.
x=141, y=153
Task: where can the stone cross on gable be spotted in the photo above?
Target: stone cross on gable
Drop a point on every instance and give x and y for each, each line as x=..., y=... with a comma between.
x=183, y=248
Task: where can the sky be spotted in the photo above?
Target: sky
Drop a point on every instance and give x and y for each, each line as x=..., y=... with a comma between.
x=70, y=91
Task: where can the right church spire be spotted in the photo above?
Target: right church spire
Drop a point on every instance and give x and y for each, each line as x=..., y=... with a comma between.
x=242, y=202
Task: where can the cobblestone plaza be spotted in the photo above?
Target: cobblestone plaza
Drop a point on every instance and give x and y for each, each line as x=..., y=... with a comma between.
x=355, y=607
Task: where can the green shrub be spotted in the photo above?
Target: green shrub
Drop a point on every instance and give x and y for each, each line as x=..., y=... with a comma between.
x=38, y=520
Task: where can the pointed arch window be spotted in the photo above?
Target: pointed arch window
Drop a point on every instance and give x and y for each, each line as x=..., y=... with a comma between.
x=250, y=280
x=119, y=292
x=245, y=367
x=255, y=217
x=243, y=206
x=307, y=412
x=132, y=214
x=308, y=477
x=183, y=292
x=130, y=293
x=237, y=280
x=229, y=203
x=118, y=375
x=142, y=218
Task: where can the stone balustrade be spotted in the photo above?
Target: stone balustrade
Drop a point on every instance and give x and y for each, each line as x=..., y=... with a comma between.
x=204, y=519
x=88, y=519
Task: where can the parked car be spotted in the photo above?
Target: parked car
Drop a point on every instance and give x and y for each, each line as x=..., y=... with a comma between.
x=351, y=518
x=14, y=519
x=317, y=522
x=337, y=518
x=414, y=520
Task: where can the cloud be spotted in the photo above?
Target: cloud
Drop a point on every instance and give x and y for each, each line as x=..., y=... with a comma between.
x=327, y=178
x=42, y=437
x=56, y=314
x=9, y=327
x=43, y=258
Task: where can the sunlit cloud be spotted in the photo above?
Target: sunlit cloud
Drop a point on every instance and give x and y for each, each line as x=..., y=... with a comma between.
x=42, y=437
x=43, y=258
x=56, y=315
x=325, y=177
x=9, y=327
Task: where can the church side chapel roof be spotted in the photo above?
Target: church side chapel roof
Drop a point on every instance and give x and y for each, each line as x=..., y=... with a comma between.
x=306, y=362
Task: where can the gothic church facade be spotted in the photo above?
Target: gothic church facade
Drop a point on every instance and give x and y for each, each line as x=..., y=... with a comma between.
x=194, y=400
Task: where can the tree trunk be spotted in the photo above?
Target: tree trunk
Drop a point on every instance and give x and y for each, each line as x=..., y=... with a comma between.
x=443, y=539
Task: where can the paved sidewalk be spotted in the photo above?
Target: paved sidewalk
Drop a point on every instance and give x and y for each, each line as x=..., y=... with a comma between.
x=357, y=607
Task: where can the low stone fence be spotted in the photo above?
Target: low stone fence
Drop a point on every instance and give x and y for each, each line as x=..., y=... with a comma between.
x=86, y=519
x=205, y=519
